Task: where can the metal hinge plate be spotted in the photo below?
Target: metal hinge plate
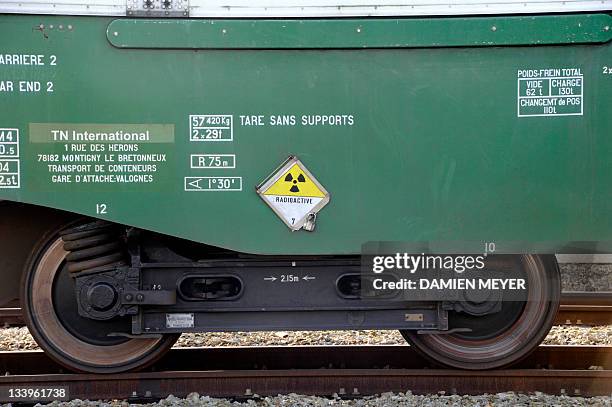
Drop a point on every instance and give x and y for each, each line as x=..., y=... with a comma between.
x=157, y=8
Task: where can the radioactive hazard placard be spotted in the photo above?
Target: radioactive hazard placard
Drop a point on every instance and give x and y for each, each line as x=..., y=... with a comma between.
x=294, y=194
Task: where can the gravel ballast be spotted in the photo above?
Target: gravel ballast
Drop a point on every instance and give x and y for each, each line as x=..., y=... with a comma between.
x=13, y=339
x=508, y=399
x=586, y=277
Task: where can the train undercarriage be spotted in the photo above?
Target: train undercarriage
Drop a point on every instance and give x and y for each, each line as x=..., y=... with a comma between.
x=105, y=298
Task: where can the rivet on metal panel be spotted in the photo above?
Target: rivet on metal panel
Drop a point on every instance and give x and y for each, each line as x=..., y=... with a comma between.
x=70, y=27
x=494, y=28
x=115, y=33
x=607, y=28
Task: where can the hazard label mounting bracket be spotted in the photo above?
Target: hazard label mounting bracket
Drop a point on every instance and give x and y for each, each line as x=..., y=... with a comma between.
x=294, y=194
x=157, y=8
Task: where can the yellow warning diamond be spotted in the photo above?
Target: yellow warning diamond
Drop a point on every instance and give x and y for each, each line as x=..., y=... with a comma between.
x=294, y=194
x=295, y=182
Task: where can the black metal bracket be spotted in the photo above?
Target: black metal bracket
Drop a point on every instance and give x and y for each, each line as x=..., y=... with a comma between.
x=149, y=297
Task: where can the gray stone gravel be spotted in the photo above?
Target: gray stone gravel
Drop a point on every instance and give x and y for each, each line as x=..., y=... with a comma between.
x=576, y=335
x=13, y=339
x=386, y=399
x=559, y=335
x=586, y=277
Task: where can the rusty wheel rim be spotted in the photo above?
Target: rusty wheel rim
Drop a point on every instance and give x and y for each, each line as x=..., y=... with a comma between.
x=68, y=350
x=523, y=336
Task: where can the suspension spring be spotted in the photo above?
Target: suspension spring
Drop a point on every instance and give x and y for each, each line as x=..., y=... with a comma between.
x=95, y=246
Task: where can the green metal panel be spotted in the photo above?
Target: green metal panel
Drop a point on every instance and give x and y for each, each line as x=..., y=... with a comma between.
x=443, y=144
x=351, y=33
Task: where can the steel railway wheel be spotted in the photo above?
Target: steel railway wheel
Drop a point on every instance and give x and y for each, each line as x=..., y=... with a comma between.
x=81, y=344
x=505, y=337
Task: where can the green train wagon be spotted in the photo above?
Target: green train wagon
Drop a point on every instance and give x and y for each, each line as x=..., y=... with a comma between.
x=172, y=166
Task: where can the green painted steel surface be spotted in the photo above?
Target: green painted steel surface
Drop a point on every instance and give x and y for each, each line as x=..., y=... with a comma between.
x=427, y=144
x=351, y=33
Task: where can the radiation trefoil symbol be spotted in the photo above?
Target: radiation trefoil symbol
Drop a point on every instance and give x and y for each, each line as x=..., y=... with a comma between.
x=294, y=194
x=289, y=178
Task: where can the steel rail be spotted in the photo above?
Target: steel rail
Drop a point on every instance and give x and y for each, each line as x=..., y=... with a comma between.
x=585, y=308
x=11, y=316
x=319, y=370
x=314, y=357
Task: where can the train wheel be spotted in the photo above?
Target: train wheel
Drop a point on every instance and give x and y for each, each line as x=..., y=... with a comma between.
x=78, y=343
x=505, y=337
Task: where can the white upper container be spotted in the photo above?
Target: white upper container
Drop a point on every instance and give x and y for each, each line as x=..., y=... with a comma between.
x=310, y=8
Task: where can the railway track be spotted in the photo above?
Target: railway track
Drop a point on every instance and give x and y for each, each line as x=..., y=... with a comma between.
x=348, y=371
x=580, y=308
x=585, y=308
